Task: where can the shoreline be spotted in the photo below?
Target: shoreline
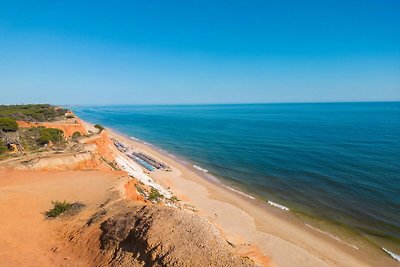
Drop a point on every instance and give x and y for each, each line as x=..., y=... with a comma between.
x=325, y=247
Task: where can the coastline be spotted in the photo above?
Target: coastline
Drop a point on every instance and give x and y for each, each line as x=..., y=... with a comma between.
x=272, y=232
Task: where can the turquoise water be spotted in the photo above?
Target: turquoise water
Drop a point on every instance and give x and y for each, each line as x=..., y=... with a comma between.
x=339, y=162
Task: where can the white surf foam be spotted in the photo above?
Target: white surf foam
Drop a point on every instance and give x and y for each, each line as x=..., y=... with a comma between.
x=279, y=206
x=393, y=255
x=133, y=138
x=200, y=168
x=239, y=192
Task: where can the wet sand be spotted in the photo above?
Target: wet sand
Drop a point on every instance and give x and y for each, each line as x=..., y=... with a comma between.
x=267, y=234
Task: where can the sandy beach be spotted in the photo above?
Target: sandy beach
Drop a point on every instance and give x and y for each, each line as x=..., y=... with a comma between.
x=271, y=236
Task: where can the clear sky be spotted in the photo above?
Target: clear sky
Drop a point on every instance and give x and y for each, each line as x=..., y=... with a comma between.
x=167, y=52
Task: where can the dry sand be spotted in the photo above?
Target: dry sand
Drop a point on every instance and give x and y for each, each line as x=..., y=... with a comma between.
x=26, y=237
x=270, y=236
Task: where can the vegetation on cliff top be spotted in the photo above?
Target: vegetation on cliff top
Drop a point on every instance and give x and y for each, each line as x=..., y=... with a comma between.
x=61, y=207
x=47, y=135
x=76, y=135
x=8, y=125
x=29, y=139
x=99, y=128
x=58, y=208
x=32, y=113
x=155, y=195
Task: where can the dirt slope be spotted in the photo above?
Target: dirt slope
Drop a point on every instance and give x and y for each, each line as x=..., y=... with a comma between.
x=153, y=235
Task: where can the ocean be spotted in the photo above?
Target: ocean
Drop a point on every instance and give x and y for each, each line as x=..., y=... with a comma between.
x=335, y=165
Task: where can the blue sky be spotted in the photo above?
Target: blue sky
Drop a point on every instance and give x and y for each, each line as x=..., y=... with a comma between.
x=168, y=52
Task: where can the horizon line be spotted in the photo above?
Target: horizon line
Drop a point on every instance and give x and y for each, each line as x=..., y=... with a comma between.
x=205, y=104
x=233, y=103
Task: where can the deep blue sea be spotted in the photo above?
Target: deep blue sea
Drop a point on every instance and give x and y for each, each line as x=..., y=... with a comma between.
x=337, y=162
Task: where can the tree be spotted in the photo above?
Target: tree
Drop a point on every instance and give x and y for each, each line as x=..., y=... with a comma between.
x=99, y=128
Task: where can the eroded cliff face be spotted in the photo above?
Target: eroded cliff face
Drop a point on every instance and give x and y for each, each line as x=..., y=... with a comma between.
x=152, y=235
x=132, y=234
x=68, y=127
x=95, y=152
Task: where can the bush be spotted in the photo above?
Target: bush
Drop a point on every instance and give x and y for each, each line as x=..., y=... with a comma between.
x=8, y=125
x=99, y=128
x=50, y=134
x=174, y=199
x=155, y=195
x=70, y=116
x=76, y=135
x=59, y=208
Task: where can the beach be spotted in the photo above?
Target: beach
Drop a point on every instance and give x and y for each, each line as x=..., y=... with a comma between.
x=268, y=233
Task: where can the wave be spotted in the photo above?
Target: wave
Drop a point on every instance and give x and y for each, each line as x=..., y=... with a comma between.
x=277, y=205
x=200, y=168
x=239, y=192
x=391, y=254
x=332, y=236
x=133, y=138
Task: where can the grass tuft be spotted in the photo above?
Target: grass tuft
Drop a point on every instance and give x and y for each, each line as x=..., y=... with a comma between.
x=58, y=208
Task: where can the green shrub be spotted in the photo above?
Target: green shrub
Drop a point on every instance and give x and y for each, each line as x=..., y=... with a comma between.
x=70, y=116
x=155, y=195
x=58, y=208
x=174, y=199
x=76, y=135
x=50, y=134
x=99, y=128
x=8, y=125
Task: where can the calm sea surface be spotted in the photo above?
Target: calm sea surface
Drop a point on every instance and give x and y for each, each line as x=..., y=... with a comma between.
x=338, y=162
